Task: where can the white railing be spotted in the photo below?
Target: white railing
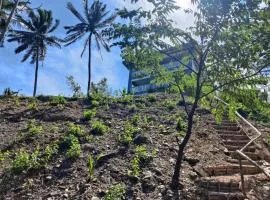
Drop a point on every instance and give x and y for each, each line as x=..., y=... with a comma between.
x=252, y=140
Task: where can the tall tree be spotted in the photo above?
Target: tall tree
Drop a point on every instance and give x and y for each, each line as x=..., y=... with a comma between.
x=8, y=11
x=36, y=38
x=228, y=45
x=95, y=20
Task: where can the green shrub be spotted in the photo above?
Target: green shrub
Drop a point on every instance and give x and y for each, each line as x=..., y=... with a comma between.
x=75, y=130
x=132, y=107
x=33, y=129
x=91, y=166
x=58, y=100
x=50, y=150
x=116, y=192
x=74, y=149
x=140, y=158
x=32, y=105
x=98, y=128
x=128, y=135
x=152, y=98
x=136, y=119
x=23, y=160
x=170, y=105
x=89, y=114
x=3, y=155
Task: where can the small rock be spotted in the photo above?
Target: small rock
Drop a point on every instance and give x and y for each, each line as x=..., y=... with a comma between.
x=141, y=139
x=48, y=178
x=172, y=160
x=147, y=182
x=88, y=147
x=54, y=193
x=193, y=175
x=65, y=196
x=95, y=198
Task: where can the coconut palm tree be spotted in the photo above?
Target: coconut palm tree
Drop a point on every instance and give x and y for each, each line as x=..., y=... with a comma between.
x=92, y=24
x=8, y=12
x=35, y=38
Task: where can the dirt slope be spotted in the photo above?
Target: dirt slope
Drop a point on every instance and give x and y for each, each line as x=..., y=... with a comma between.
x=154, y=120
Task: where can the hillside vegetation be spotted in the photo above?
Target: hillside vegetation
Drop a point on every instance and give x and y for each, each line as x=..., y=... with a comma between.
x=111, y=148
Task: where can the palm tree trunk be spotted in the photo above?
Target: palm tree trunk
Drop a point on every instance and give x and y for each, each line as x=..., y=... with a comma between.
x=36, y=73
x=2, y=34
x=1, y=3
x=89, y=66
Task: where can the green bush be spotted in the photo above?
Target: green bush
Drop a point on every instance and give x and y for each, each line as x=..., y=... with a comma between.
x=129, y=133
x=152, y=98
x=140, y=158
x=89, y=114
x=75, y=130
x=33, y=129
x=116, y=192
x=136, y=119
x=23, y=160
x=58, y=100
x=74, y=149
x=132, y=107
x=32, y=105
x=50, y=150
x=91, y=166
x=98, y=128
x=170, y=105
x=3, y=155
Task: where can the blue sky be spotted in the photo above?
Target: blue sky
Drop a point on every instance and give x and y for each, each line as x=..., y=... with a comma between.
x=60, y=63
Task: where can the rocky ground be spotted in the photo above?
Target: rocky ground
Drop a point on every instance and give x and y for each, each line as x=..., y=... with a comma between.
x=153, y=121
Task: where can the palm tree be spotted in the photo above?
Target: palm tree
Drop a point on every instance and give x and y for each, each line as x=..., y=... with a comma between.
x=95, y=20
x=8, y=12
x=36, y=38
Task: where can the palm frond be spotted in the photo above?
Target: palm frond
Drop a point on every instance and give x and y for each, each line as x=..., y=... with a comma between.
x=85, y=46
x=75, y=12
x=55, y=26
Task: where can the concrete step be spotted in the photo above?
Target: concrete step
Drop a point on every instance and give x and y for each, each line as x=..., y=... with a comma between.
x=228, y=128
x=225, y=196
x=233, y=137
x=228, y=132
x=236, y=142
x=244, y=162
x=238, y=147
x=223, y=170
x=212, y=185
x=251, y=155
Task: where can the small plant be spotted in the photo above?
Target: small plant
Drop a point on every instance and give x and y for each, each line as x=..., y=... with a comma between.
x=75, y=87
x=32, y=105
x=91, y=166
x=33, y=129
x=136, y=119
x=116, y=192
x=89, y=114
x=75, y=130
x=4, y=155
x=135, y=170
x=128, y=135
x=23, y=160
x=170, y=105
x=151, y=98
x=58, y=100
x=140, y=158
x=74, y=150
x=98, y=128
x=50, y=150
x=132, y=107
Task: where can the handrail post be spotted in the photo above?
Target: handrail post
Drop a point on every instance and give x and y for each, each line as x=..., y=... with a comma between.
x=242, y=176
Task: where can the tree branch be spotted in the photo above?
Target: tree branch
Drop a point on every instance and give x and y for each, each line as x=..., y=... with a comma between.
x=234, y=81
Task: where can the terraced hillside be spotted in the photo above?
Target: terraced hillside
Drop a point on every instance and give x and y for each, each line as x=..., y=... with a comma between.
x=117, y=148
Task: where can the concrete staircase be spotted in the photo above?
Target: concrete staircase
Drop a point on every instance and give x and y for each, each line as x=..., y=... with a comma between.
x=223, y=182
